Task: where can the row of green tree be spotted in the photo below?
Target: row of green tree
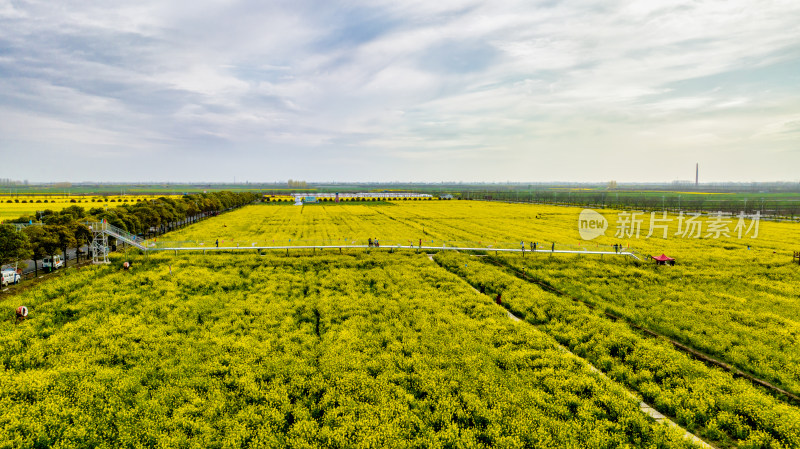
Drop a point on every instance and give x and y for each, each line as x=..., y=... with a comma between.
x=52, y=232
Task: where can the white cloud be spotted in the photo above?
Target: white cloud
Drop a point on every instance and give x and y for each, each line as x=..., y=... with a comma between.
x=785, y=128
x=458, y=81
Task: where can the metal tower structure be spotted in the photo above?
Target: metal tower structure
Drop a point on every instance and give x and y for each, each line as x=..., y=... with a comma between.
x=100, y=233
x=99, y=246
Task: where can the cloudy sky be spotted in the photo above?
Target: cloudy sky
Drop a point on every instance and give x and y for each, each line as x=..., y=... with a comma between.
x=409, y=90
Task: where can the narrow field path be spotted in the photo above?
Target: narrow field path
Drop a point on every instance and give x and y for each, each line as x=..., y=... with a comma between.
x=778, y=392
x=510, y=315
x=643, y=406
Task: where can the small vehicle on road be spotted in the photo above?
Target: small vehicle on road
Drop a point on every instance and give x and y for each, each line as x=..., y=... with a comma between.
x=10, y=277
x=55, y=263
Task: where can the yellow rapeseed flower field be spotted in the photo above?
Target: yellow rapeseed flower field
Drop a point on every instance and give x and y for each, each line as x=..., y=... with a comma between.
x=334, y=351
x=392, y=349
x=481, y=223
x=733, y=297
x=15, y=206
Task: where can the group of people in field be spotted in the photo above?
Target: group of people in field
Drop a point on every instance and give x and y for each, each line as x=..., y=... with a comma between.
x=374, y=243
x=535, y=245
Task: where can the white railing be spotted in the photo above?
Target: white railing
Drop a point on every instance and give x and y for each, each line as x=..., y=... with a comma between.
x=538, y=252
x=105, y=228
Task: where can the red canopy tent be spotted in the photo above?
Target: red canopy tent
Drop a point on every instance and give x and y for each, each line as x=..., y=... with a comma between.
x=663, y=260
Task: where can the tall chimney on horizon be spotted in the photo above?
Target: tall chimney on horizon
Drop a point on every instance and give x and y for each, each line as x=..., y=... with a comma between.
x=697, y=174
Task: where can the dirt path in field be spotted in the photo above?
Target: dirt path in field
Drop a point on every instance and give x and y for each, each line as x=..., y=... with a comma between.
x=646, y=408
x=643, y=406
x=780, y=393
x=510, y=315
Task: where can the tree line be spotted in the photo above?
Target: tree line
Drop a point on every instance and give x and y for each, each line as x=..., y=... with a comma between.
x=669, y=201
x=57, y=231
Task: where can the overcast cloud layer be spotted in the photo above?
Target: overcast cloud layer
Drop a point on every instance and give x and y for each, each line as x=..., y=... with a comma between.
x=409, y=90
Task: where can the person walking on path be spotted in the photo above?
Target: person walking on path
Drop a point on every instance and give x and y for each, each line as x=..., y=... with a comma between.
x=217, y=243
x=554, y=247
x=369, y=242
